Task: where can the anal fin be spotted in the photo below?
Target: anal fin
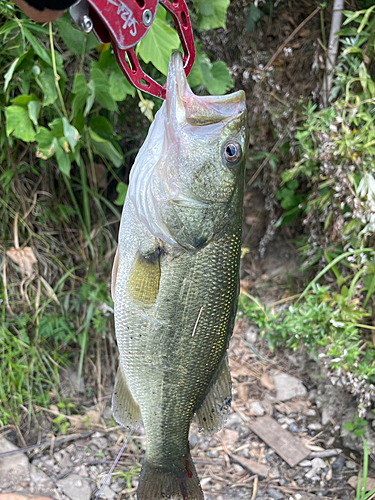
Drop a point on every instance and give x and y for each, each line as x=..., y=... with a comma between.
x=125, y=409
x=213, y=413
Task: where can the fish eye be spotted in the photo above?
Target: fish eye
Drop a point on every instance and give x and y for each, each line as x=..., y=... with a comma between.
x=232, y=152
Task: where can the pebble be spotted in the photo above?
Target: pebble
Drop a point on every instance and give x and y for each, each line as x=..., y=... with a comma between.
x=257, y=408
x=275, y=494
x=305, y=463
x=288, y=387
x=318, y=463
x=108, y=493
x=310, y=412
x=339, y=463
x=350, y=465
x=315, y=426
x=293, y=427
x=75, y=487
x=13, y=468
x=233, y=420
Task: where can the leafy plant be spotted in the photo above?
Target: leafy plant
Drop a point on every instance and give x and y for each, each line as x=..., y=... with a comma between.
x=323, y=322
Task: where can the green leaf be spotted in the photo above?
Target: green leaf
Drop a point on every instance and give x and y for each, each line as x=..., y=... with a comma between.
x=8, y=75
x=106, y=148
x=211, y=13
x=34, y=110
x=63, y=160
x=119, y=87
x=46, y=82
x=80, y=92
x=18, y=123
x=122, y=189
x=24, y=100
x=47, y=143
x=70, y=133
x=159, y=43
x=75, y=39
x=254, y=15
x=101, y=86
x=216, y=78
x=101, y=126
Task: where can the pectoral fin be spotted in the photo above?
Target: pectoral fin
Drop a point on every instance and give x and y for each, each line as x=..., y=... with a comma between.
x=213, y=413
x=125, y=410
x=144, y=278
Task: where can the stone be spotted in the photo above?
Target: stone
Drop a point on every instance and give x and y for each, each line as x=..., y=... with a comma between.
x=13, y=468
x=257, y=408
x=275, y=494
x=251, y=334
x=339, y=463
x=100, y=442
x=75, y=487
x=288, y=387
x=293, y=427
x=42, y=483
x=108, y=493
x=315, y=426
x=305, y=463
x=318, y=463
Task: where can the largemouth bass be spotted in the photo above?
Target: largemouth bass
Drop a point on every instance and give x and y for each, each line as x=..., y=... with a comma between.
x=176, y=280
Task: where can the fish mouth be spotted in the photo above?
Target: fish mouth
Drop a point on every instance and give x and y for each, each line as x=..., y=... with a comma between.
x=199, y=110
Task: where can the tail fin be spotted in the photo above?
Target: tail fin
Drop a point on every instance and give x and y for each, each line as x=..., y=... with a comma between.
x=178, y=482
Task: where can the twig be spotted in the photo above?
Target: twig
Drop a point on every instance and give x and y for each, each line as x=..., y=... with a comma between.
x=264, y=162
x=57, y=78
x=292, y=35
x=338, y=7
x=325, y=453
x=60, y=440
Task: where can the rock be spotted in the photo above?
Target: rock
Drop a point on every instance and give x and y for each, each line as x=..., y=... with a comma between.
x=318, y=463
x=339, y=463
x=293, y=427
x=310, y=412
x=100, y=442
x=17, y=496
x=315, y=426
x=317, y=466
x=257, y=408
x=43, y=483
x=233, y=420
x=288, y=387
x=305, y=463
x=75, y=487
x=108, y=493
x=276, y=494
x=14, y=469
x=350, y=465
x=251, y=334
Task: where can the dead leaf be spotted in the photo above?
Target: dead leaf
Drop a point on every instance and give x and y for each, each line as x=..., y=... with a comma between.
x=353, y=482
x=297, y=406
x=24, y=258
x=266, y=382
x=243, y=393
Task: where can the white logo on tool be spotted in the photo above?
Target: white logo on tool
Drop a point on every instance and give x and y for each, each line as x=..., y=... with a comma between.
x=126, y=16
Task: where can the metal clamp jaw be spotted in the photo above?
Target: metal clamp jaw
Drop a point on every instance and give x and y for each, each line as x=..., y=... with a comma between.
x=125, y=23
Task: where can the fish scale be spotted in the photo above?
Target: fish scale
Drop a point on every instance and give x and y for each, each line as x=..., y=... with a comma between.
x=176, y=280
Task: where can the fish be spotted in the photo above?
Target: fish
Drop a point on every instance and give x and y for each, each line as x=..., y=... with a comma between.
x=175, y=280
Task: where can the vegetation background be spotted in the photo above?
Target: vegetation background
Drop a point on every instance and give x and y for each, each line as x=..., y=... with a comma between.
x=71, y=126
